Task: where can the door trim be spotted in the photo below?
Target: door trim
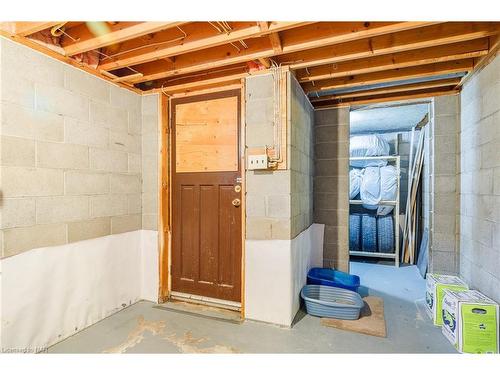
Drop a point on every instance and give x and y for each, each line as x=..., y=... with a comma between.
x=166, y=170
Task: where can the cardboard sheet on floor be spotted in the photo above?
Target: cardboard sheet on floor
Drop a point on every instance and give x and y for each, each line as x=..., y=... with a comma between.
x=371, y=321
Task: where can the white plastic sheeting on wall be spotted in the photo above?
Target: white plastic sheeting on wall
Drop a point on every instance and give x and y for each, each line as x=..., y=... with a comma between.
x=51, y=293
x=276, y=271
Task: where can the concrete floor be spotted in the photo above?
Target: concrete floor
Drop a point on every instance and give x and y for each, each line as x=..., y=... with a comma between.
x=146, y=328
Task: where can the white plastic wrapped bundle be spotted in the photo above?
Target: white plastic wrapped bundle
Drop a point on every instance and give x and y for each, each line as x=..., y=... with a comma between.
x=368, y=145
x=370, y=188
x=388, y=188
x=355, y=176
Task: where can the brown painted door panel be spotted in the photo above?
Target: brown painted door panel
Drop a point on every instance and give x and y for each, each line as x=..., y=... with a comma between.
x=206, y=225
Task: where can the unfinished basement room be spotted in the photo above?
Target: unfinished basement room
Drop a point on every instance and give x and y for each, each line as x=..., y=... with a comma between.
x=250, y=187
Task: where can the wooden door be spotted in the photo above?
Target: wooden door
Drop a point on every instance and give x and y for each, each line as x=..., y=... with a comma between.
x=206, y=196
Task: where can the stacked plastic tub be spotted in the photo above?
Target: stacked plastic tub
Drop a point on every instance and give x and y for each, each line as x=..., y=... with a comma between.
x=332, y=294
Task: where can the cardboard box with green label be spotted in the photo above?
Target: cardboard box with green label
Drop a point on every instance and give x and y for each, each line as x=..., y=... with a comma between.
x=471, y=322
x=436, y=286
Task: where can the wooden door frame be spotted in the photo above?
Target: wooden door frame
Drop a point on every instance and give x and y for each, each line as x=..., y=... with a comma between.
x=165, y=193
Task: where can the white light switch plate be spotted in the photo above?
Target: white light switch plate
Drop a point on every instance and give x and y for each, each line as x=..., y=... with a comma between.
x=257, y=162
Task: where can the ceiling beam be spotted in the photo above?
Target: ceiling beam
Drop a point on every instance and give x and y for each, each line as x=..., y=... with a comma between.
x=292, y=40
x=425, y=37
x=388, y=90
x=190, y=45
x=27, y=28
x=432, y=55
x=86, y=40
x=390, y=75
x=388, y=98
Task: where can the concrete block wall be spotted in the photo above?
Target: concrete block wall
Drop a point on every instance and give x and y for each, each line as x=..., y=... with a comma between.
x=301, y=158
x=444, y=187
x=268, y=193
x=150, y=161
x=331, y=183
x=70, y=153
x=479, y=177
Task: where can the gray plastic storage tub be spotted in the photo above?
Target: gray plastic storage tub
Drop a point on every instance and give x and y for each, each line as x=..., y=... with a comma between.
x=331, y=302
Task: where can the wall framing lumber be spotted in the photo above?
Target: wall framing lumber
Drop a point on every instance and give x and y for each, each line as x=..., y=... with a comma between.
x=26, y=28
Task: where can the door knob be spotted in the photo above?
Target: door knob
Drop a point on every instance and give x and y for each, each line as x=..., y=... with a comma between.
x=236, y=202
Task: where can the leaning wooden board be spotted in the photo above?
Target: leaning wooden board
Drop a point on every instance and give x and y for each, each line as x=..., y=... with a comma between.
x=371, y=321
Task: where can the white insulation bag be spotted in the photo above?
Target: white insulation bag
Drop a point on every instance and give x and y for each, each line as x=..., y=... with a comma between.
x=370, y=188
x=355, y=176
x=368, y=145
x=388, y=188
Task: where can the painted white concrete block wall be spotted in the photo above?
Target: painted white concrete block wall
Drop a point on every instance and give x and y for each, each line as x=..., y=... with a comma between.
x=480, y=181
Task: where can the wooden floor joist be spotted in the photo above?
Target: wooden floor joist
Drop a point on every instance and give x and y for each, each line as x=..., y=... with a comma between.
x=389, y=58
x=430, y=70
x=390, y=90
x=432, y=55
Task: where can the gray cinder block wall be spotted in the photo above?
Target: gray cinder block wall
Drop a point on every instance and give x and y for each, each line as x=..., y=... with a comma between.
x=479, y=175
x=301, y=158
x=71, y=154
x=331, y=183
x=279, y=202
x=443, y=174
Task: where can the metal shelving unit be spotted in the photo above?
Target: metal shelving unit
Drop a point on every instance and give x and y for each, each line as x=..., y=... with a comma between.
x=395, y=212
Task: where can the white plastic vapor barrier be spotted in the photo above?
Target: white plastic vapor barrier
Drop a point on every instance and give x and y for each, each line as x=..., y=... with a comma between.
x=51, y=293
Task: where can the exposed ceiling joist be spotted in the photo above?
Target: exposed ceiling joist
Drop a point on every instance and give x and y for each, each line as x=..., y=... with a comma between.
x=425, y=37
x=432, y=55
x=296, y=40
x=451, y=82
x=190, y=45
x=94, y=35
x=391, y=75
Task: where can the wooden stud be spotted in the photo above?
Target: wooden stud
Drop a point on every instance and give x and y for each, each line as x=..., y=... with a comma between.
x=127, y=78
